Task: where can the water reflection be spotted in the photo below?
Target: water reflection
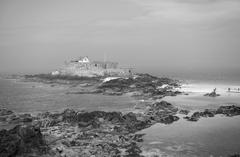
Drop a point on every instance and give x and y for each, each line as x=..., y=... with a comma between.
x=218, y=136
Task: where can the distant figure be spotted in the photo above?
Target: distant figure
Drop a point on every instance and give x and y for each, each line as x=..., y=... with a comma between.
x=214, y=90
x=238, y=89
x=229, y=89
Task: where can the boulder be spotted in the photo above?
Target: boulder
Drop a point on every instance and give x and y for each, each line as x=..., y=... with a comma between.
x=4, y=112
x=195, y=117
x=185, y=112
x=225, y=110
x=212, y=94
x=20, y=140
x=228, y=110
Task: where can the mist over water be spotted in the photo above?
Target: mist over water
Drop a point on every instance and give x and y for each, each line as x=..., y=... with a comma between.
x=218, y=76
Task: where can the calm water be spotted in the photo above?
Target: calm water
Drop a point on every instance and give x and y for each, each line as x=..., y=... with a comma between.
x=37, y=97
x=218, y=136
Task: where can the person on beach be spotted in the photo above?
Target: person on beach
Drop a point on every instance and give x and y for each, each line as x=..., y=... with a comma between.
x=214, y=90
x=229, y=89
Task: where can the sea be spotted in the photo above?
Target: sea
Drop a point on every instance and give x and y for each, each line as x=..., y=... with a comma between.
x=213, y=137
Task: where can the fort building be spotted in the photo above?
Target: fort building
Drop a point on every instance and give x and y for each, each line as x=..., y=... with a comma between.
x=84, y=67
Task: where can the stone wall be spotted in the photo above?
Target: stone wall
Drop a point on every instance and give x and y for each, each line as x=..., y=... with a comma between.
x=92, y=69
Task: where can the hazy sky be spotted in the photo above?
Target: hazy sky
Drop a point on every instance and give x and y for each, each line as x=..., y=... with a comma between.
x=168, y=35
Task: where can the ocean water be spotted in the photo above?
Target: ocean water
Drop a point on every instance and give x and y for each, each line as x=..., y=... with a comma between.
x=209, y=137
x=218, y=136
x=31, y=97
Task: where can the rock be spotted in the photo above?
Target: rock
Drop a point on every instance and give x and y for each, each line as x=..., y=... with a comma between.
x=144, y=84
x=4, y=112
x=162, y=112
x=185, y=112
x=130, y=117
x=81, y=133
x=20, y=140
x=69, y=115
x=3, y=118
x=208, y=113
x=195, y=117
x=212, y=94
x=225, y=110
x=229, y=110
x=22, y=118
x=163, y=106
x=133, y=150
x=169, y=119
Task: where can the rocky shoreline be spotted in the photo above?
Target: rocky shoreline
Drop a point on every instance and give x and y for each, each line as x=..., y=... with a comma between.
x=73, y=133
x=79, y=133
x=229, y=111
x=140, y=86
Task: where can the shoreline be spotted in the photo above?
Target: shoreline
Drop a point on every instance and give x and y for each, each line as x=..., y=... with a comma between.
x=145, y=88
x=59, y=132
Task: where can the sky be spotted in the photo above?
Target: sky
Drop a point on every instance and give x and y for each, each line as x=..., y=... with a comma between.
x=166, y=35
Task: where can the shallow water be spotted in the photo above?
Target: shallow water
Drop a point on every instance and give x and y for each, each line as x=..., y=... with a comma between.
x=195, y=99
x=38, y=97
x=218, y=136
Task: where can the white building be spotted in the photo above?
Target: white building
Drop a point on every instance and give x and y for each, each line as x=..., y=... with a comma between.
x=83, y=60
x=55, y=73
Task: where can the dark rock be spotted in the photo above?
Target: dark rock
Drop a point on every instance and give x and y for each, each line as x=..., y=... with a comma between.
x=225, y=110
x=169, y=119
x=212, y=94
x=162, y=112
x=114, y=117
x=163, y=105
x=144, y=83
x=20, y=140
x=195, y=117
x=137, y=137
x=133, y=150
x=137, y=125
x=229, y=110
x=69, y=115
x=130, y=117
x=25, y=118
x=208, y=113
x=4, y=112
x=185, y=112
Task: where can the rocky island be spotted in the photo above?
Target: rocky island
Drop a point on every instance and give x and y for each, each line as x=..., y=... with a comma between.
x=79, y=133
